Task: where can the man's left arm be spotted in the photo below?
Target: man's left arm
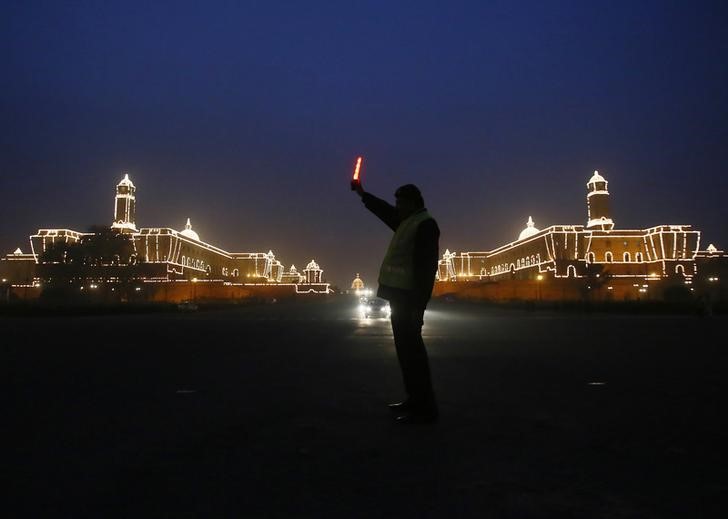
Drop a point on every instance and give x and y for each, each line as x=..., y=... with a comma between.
x=426, y=256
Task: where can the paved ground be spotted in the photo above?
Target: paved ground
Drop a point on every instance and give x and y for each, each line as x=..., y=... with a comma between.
x=279, y=411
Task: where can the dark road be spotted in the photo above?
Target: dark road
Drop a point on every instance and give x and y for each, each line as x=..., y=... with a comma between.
x=280, y=410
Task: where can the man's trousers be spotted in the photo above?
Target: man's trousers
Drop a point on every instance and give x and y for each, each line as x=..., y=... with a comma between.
x=407, y=320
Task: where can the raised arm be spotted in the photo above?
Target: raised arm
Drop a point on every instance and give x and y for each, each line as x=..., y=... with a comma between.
x=383, y=210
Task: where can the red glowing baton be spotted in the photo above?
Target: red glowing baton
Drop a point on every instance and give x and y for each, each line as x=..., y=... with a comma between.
x=357, y=168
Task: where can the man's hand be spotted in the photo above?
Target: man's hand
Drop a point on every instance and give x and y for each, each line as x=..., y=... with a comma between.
x=356, y=186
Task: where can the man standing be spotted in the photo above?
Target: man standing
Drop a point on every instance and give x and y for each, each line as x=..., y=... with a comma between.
x=406, y=278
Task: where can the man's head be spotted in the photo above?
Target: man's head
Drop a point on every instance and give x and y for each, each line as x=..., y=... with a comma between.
x=408, y=200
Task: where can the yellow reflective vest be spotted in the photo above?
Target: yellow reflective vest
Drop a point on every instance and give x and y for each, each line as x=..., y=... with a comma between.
x=398, y=265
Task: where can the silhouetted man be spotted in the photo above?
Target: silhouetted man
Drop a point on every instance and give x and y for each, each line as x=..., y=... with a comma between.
x=406, y=278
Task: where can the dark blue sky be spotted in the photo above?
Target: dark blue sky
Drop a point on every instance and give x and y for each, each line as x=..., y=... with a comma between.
x=247, y=116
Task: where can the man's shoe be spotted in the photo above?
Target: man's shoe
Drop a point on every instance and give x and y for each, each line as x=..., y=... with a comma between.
x=399, y=407
x=416, y=418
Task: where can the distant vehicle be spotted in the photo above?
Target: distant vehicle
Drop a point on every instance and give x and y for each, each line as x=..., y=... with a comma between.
x=375, y=308
x=187, y=306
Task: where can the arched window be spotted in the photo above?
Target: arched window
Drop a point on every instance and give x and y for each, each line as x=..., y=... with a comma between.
x=627, y=257
x=638, y=257
x=680, y=270
x=570, y=271
x=236, y=272
x=533, y=260
x=518, y=263
x=608, y=257
x=591, y=257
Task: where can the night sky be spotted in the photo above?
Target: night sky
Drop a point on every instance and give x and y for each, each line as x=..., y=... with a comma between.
x=247, y=117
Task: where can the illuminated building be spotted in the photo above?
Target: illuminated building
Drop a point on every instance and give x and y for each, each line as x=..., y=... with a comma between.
x=569, y=261
x=313, y=273
x=292, y=276
x=125, y=205
x=357, y=284
x=358, y=288
x=155, y=255
x=18, y=269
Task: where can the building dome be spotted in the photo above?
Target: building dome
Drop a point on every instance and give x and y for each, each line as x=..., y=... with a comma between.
x=596, y=177
x=313, y=273
x=529, y=231
x=357, y=284
x=188, y=232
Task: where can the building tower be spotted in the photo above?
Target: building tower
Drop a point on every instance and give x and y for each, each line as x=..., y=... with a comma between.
x=597, y=202
x=125, y=206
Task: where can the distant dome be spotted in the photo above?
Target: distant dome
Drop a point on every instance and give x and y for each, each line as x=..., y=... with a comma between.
x=293, y=269
x=529, y=231
x=596, y=177
x=18, y=252
x=357, y=284
x=189, y=232
x=312, y=266
x=712, y=248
